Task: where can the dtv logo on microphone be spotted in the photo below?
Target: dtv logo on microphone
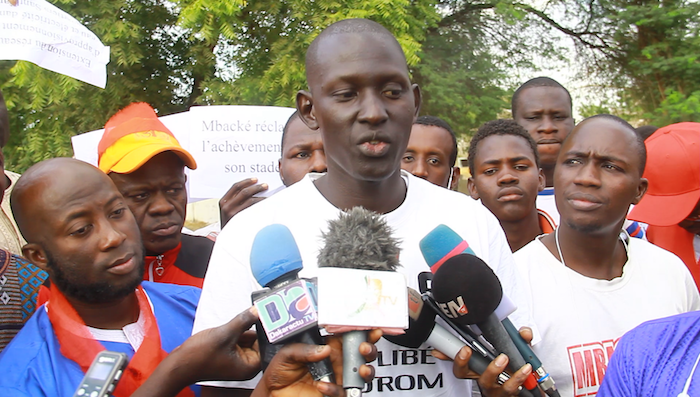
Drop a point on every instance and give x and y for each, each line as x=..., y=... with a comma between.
x=454, y=308
x=289, y=310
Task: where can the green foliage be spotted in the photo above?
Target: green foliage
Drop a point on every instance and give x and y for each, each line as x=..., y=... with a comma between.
x=173, y=54
x=459, y=80
x=675, y=108
x=465, y=54
x=151, y=61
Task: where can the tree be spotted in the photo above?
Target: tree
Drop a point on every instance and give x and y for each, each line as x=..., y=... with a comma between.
x=173, y=54
x=151, y=61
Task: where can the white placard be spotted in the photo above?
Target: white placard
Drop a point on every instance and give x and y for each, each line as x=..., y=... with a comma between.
x=39, y=32
x=219, y=139
x=231, y=143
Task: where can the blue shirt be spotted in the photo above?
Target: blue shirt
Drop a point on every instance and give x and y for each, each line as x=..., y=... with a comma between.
x=32, y=364
x=656, y=359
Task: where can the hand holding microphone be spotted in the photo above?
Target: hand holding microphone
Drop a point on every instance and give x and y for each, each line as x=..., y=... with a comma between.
x=288, y=309
x=441, y=244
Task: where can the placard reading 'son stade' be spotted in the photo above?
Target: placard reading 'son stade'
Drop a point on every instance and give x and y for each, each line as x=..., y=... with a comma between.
x=231, y=143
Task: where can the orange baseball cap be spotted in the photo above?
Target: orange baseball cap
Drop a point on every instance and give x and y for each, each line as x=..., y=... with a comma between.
x=133, y=136
x=673, y=171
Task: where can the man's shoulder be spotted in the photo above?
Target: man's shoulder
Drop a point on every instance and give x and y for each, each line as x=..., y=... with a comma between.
x=533, y=249
x=678, y=323
x=196, y=243
x=32, y=344
x=652, y=255
x=280, y=202
x=165, y=293
x=440, y=199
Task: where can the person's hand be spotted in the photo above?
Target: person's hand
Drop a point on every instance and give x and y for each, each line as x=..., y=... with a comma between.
x=488, y=381
x=239, y=197
x=228, y=352
x=288, y=375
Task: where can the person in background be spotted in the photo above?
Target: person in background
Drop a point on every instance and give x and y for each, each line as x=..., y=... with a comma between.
x=671, y=207
x=506, y=177
x=588, y=283
x=10, y=237
x=302, y=152
x=646, y=131
x=544, y=108
x=432, y=152
x=147, y=164
x=20, y=280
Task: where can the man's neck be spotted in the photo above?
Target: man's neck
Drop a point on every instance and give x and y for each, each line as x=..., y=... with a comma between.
x=548, y=176
x=110, y=315
x=599, y=256
x=345, y=192
x=521, y=232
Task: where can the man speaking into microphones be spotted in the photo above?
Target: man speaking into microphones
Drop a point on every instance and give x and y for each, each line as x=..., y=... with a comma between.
x=365, y=125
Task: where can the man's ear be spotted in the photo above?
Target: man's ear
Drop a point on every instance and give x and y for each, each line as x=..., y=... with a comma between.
x=641, y=189
x=36, y=255
x=542, y=181
x=471, y=186
x=417, y=100
x=455, y=179
x=305, y=107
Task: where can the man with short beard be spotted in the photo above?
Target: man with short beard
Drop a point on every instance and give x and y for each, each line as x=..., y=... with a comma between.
x=80, y=230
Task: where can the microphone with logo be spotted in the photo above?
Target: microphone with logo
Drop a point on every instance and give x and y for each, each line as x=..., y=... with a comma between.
x=287, y=308
x=358, y=286
x=460, y=287
x=422, y=328
x=443, y=243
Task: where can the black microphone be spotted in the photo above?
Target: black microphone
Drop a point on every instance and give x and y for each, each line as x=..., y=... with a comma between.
x=468, y=291
x=443, y=243
x=275, y=262
x=422, y=328
x=358, y=239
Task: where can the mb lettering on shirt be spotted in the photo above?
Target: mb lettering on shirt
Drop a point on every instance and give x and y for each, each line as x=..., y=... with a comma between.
x=588, y=365
x=406, y=381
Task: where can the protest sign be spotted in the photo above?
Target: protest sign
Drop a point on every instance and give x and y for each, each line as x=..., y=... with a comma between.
x=231, y=143
x=39, y=32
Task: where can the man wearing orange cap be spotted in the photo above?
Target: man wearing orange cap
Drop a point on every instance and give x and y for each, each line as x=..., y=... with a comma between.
x=147, y=164
x=671, y=206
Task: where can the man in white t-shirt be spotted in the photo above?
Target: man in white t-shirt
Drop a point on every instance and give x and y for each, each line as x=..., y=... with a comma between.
x=588, y=284
x=364, y=103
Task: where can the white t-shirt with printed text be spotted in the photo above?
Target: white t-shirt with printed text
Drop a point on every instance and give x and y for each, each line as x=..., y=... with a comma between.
x=580, y=319
x=303, y=209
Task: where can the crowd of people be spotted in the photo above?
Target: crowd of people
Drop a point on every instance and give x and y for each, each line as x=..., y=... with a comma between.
x=95, y=259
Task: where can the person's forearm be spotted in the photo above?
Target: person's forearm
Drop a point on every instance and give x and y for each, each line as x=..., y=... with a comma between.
x=168, y=379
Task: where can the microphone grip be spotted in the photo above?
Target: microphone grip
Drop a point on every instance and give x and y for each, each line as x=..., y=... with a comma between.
x=499, y=338
x=520, y=343
x=352, y=360
x=321, y=370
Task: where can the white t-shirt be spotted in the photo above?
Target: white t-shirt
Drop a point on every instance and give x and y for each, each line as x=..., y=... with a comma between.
x=229, y=281
x=580, y=319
